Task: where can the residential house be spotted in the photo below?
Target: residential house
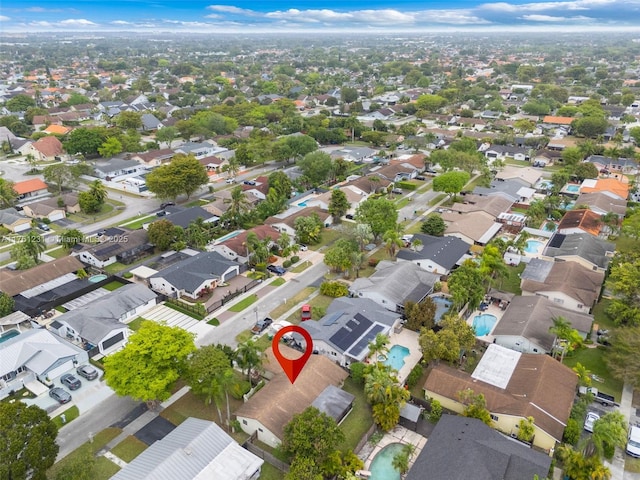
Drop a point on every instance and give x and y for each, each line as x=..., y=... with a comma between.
x=35, y=355
x=568, y=284
x=615, y=186
x=515, y=386
x=195, y=450
x=517, y=190
x=580, y=221
x=52, y=208
x=235, y=248
x=15, y=282
x=589, y=251
x=473, y=228
x=286, y=399
x=150, y=122
x=462, y=447
x=492, y=206
x=260, y=189
x=603, y=203
x=344, y=333
x=115, y=245
x=198, y=149
x=369, y=184
x=528, y=175
x=502, y=152
x=182, y=217
x=397, y=172
x=285, y=221
x=524, y=326
x=153, y=158
x=354, y=196
x=554, y=121
x=119, y=167
x=355, y=154
x=47, y=149
x=394, y=283
x=101, y=324
x=13, y=221
x=33, y=188
x=191, y=276
x=213, y=164
x=56, y=130
x=439, y=255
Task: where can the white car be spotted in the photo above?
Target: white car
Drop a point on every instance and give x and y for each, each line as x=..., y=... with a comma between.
x=633, y=444
x=591, y=419
x=302, y=247
x=230, y=180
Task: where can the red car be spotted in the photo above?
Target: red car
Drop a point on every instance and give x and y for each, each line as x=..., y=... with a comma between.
x=306, y=312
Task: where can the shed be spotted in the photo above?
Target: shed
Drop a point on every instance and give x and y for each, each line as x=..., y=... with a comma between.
x=409, y=416
x=335, y=402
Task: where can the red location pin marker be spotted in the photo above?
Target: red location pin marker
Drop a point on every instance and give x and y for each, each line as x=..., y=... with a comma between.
x=292, y=367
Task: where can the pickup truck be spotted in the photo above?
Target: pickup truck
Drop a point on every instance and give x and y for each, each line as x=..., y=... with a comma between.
x=261, y=325
x=602, y=398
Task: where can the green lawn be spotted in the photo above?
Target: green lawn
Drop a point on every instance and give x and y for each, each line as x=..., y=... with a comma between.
x=115, y=268
x=403, y=202
x=244, y=303
x=359, y=420
x=141, y=220
x=630, y=465
x=57, y=252
x=214, y=321
x=277, y=282
x=276, y=313
x=129, y=448
x=244, y=336
x=186, y=311
x=437, y=199
x=328, y=237
x=114, y=285
x=603, y=320
x=512, y=282
x=104, y=468
x=593, y=360
x=301, y=267
x=269, y=472
x=69, y=415
x=135, y=324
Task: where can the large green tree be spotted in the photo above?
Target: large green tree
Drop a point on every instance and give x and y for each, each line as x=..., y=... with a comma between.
x=308, y=229
x=338, y=205
x=20, y=103
x=433, y=225
x=339, y=255
x=447, y=344
x=28, y=441
x=8, y=195
x=379, y=213
x=70, y=237
x=450, y=183
x=420, y=315
x=624, y=281
x=163, y=233
x=184, y=175
x=151, y=362
x=316, y=166
x=6, y=304
x=86, y=140
x=385, y=394
x=622, y=356
x=60, y=175
x=31, y=244
x=466, y=284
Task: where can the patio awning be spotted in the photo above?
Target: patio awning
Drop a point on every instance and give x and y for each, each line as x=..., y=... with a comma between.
x=14, y=318
x=505, y=296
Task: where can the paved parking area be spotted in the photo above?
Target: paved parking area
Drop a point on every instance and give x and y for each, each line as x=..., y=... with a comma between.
x=85, y=398
x=173, y=318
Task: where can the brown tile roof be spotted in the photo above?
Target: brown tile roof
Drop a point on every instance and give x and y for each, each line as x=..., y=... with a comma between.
x=558, y=120
x=493, y=205
x=612, y=185
x=571, y=278
x=57, y=129
x=366, y=185
x=28, y=186
x=236, y=243
x=162, y=154
x=275, y=405
x=13, y=282
x=583, y=219
x=539, y=387
x=49, y=146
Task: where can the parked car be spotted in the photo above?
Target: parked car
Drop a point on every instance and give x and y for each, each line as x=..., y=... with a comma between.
x=421, y=177
x=591, y=419
x=87, y=371
x=71, y=382
x=249, y=182
x=306, y=312
x=633, y=443
x=397, y=191
x=348, y=216
x=166, y=204
x=230, y=180
x=161, y=213
x=60, y=395
x=277, y=269
x=261, y=325
x=302, y=247
x=44, y=227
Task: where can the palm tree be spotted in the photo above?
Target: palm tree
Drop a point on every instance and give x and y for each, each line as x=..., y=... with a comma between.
x=357, y=259
x=416, y=244
x=98, y=191
x=33, y=245
x=248, y=358
x=584, y=374
x=378, y=346
x=392, y=242
x=238, y=207
x=612, y=221
x=520, y=242
x=232, y=167
x=377, y=382
x=609, y=431
x=567, y=338
x=284, y=244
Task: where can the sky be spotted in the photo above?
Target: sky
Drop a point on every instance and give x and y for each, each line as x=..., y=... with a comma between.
x=24, y=16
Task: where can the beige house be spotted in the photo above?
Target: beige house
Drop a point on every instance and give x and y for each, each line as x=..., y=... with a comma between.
x=270, y=409
x=494, y=205
x=515, y=386
x=474, y=228
x=13, y=221
x=50, y=208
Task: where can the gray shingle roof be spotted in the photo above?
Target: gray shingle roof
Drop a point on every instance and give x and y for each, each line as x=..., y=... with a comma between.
x=445, y=251
x=460, y=448
x=182, y=217
x=94, y=321
x=196, y=449
x=508, y=188
x=583, y=245
x=189, y=273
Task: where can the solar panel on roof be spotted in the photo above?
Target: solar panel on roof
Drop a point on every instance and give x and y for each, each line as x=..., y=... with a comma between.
x=348, y=334
x=107, y=250
x=331, y=319
x=557, y=240
x=363, y=343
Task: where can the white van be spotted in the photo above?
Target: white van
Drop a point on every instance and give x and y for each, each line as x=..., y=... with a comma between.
x=633, y=444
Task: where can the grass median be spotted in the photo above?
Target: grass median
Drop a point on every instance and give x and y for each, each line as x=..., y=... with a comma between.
x=244, y=303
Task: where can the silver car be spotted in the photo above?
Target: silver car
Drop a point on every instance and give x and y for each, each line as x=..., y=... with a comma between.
x=87, y=371
x=60, y=395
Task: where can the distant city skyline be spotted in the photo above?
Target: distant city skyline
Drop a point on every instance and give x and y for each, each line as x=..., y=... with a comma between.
x=143, y=16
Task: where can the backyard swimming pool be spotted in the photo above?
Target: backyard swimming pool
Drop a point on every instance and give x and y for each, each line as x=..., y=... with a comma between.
x=97, y=278
x=13, y=333
x=483, y=324
x=395, y=357
x=443, y=304
x=228, y=236
x=302, y=204
x=533, y=246
x=381, y=468
x=573, y=188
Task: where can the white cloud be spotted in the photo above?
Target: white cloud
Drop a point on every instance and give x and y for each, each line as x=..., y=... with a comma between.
x=456, y=17
x=78, y=22
x=323, y=15
x=121, y=22
x=213, y=15
x=41, y=24
x=4, y=18
x=550, y=18
x=233, y=10
x=504, y=7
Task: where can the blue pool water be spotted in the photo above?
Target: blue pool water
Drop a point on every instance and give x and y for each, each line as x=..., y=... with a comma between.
x=97, y=278
x=10, y=334
x=302, y=204
x=395, y=357
x=533, y=246
x=381, y=468
x=443, y=304
x=228, y=236
x=573, y=188
x=483, y=324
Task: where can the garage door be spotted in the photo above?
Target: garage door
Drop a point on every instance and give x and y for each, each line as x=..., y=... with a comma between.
x=56, y=216
x=59, y=370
